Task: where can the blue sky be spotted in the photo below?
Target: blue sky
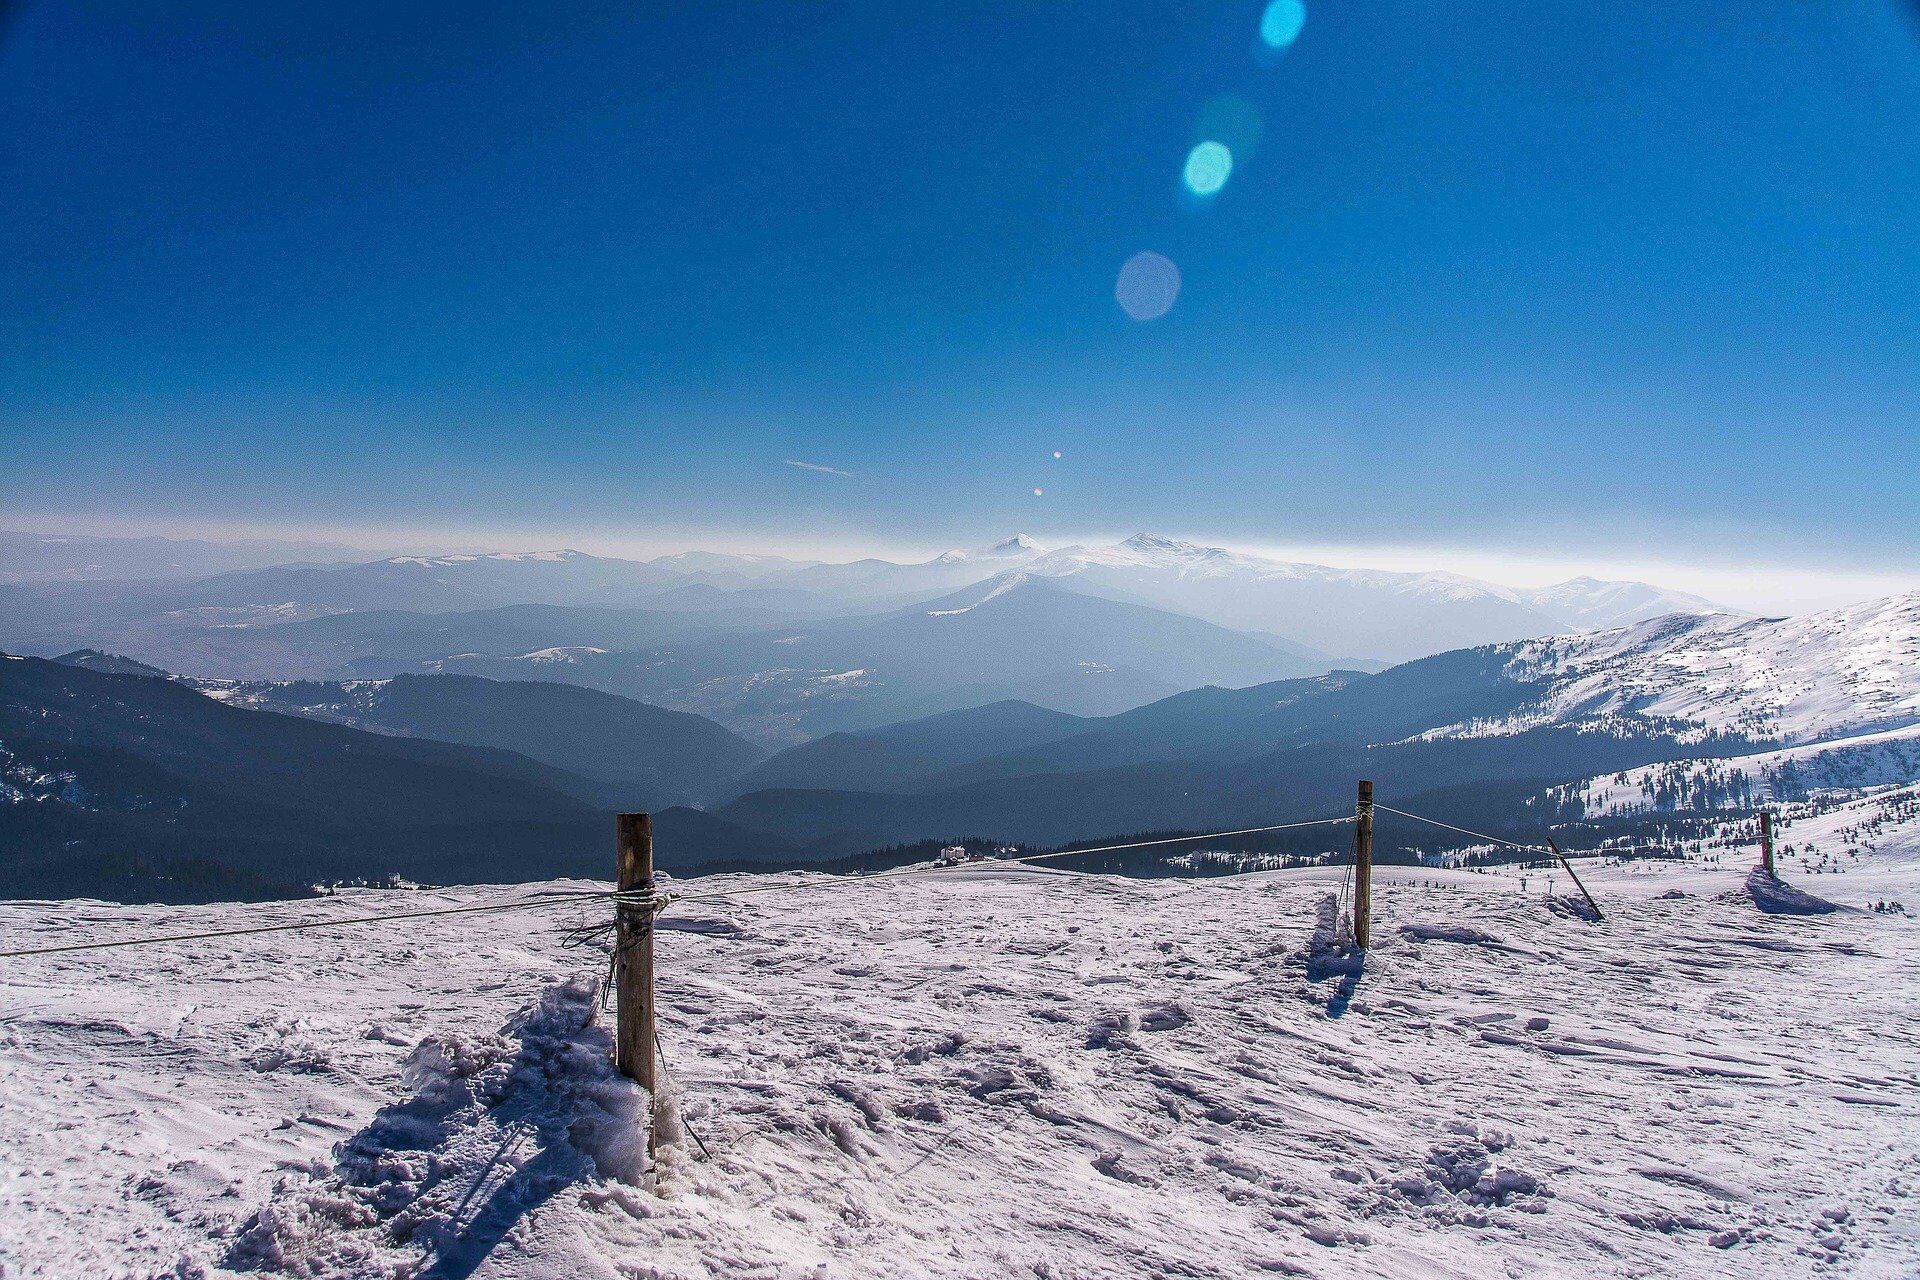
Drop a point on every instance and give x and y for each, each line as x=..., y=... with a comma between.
x=1557, y=285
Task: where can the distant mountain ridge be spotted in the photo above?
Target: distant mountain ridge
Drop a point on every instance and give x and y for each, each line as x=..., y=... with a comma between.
x=1591, y=604
x=1498, y=724
x=1786, y=680
x=141, y=788
x=639, y=757
x=1002, y=639
x=61, y=557
x=1369, y=612
x=135, y=786
x=1317, y=613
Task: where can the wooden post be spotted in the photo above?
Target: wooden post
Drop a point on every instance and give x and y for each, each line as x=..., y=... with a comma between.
x=1363, y=866
x=1555, y=846
x=1766, y=841
x=633, y=1052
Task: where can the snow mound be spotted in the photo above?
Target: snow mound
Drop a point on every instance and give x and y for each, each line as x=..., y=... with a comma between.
x=496, y=1126
x=1776, y=897
x=1449, y=933
x=1331, y=952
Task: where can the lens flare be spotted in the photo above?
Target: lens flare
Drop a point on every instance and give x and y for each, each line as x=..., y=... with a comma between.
x=1232, y=121
x=1280, y=24
x=1039, y=493
x=1147, y=286
x=1207, y=168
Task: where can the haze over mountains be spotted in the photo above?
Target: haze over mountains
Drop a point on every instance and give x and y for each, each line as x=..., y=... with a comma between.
x=486, y=711
x=1485, y=727
x=57, y=557
x=784, y=650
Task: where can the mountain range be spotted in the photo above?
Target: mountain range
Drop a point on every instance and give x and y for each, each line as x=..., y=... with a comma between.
x=638, y=757
x=1486, y=728
x=785, y=650
x=1369, y=614
x=1372, y=613
x=117, y=779
x=117, y=782
x=61, y=557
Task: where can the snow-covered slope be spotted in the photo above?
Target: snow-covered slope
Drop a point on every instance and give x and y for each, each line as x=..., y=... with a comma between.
x=1789, y=773
x=1790, y=680
x=995, y=1073
x=1590, y=604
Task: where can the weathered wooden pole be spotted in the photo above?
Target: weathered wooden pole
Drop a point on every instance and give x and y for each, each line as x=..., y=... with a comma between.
x=633, y=1045
x=1766, y=841
x=1363, y=866
x=1555, y=846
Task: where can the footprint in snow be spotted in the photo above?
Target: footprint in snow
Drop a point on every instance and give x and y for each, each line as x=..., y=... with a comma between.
x=1117, y=1027
x=1113, y=1165
x=1166, y=1017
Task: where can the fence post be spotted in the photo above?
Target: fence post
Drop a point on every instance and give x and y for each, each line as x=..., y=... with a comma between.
x=1574, y=876
x=1766, y=841
x=1363, y=866
x=633, y=1052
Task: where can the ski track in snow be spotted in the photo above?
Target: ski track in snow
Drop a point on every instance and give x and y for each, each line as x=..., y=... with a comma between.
x=993, y=1072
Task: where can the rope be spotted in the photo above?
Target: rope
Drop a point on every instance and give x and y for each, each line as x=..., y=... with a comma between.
x=836, y=882
x=1548, y=848
x=1478, y=835
x=553, y=898
x=1551, y=847
x=626, y=900
x=660, y=1052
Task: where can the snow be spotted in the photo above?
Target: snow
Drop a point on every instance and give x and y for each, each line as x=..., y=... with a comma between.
x=1864, y=760
x=1595, y=604
x=562, y=653
x=1018, y=547
x=1791, y=680
x=1776, y=896
x=443, y=562
x=996, y=1071
x=1000, y=586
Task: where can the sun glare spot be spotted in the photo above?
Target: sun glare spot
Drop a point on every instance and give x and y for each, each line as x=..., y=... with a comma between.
x=1148, y=285
x=1207, y=168
x=1280, y=24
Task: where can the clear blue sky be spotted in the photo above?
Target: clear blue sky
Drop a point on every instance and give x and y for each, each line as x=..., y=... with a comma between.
x=1617, y=282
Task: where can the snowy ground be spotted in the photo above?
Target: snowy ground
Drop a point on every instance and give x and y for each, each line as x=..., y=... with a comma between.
x=995, y=1073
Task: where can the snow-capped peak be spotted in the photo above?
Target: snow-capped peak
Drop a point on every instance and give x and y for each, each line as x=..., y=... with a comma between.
x=1019, y=546
x=442, y=562
x=1153, y=546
